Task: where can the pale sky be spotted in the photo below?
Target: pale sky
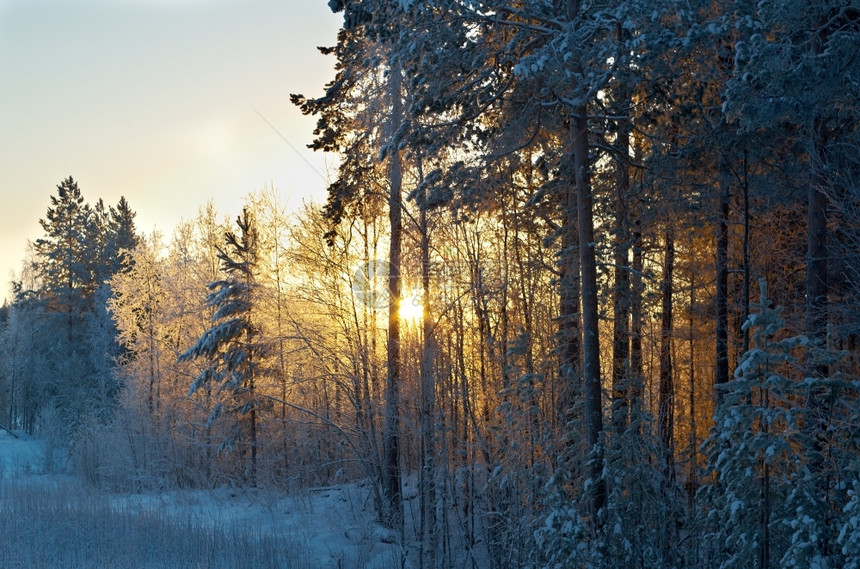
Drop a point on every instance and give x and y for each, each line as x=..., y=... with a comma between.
x=156, y=100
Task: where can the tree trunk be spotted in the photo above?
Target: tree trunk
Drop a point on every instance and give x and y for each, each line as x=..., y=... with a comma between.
x=746, y=256
x=667, y=388
x=816, y=252
x=637, y=368
x=253, y=429
x=818, y=394
x=393, y=508
x=593, y=405
x=428, y=401
x=764, y=511
x=722, y=368
x=693, y=484
x=592, y=396
x=621, y=292
x=569, y=332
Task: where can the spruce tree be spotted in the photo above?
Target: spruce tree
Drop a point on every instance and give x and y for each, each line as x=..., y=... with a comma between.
x=74, y=260
x=63, y=262
x=233, y=346
x=121, y=238
x=750, y=450
x=65, y=257
x=774, y=499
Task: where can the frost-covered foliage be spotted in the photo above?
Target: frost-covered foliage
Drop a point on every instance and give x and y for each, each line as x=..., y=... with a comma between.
x=62, y=342
x=645, y=507
x=849, y=533
x=820, y=495
x=565, y=540
x=794, y=60
x=638, y=526
x=750, y=451
x=232, y=349
x=776, y=491
x=228, y=343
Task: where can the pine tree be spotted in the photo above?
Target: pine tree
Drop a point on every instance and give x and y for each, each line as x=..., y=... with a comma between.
x=233, y=346
x=65, y=258
x=110, y=237
x=772, y=500
x=63, y=255
x=369, y=32
x=122, y=236
x=750, y=451
x=849, y=534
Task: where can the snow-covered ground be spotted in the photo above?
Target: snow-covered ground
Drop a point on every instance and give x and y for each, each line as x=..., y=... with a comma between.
x=51, y=520
x=19, y=456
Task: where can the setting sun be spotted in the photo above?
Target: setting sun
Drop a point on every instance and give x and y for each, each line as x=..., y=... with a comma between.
x=411, y=308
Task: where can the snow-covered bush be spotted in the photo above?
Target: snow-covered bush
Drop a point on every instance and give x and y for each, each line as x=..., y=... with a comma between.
x=565, y=540
x=775, y=460
x=849, y=535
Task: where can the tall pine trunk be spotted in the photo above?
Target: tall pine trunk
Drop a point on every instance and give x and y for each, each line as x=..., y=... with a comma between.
x=816, y=251
x=393, y=507
x=667, y=389
x=569, y=332
x=637, y=367
x=722, y=301
x=592, y=396
x=428, y=401
x=621, y=292
x=591, y=383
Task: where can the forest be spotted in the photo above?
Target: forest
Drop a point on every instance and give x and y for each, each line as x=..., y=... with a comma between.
x=585, y=292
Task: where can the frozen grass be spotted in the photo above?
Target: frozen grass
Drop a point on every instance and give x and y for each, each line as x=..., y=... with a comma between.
x=48, y=523
x=51, y=520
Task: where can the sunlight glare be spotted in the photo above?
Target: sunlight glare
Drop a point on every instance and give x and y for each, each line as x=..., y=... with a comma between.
x=411, y=308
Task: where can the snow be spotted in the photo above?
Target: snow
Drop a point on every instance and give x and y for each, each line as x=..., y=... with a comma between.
x=334, y=523
x=333, y=527
x=736, y=505
x=20, y=456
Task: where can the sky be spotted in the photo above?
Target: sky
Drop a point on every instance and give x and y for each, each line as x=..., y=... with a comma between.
x=165, y=102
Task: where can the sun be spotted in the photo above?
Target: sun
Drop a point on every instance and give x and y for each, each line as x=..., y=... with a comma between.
x=411, y=308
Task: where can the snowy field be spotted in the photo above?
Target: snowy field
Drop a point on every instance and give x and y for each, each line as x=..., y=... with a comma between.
x=53, y=520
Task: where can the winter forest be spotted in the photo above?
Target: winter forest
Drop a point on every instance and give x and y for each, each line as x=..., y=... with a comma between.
x=585, y=293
